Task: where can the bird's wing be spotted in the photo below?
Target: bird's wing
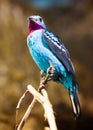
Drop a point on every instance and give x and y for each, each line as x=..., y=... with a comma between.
x=59, y=50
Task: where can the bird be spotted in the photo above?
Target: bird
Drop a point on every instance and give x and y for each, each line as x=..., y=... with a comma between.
x=45, y=47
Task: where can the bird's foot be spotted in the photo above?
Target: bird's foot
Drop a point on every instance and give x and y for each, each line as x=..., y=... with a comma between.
x=45, y=78
x=51, y=71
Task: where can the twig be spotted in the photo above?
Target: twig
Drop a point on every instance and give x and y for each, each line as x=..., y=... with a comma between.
x=18, y=106
x=26, y=115
x=43, y=99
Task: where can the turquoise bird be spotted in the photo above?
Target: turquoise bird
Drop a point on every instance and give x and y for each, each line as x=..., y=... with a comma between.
x=46, y=47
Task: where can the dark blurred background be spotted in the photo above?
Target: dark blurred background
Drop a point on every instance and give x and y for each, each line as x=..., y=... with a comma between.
x=72, y=21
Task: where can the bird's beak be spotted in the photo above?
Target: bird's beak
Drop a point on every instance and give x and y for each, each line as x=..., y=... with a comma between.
x=30, y=19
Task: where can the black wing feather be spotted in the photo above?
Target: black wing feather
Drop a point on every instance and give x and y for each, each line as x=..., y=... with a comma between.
x=59, y=50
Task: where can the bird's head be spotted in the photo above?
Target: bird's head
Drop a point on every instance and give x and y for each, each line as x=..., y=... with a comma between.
x=35, y=23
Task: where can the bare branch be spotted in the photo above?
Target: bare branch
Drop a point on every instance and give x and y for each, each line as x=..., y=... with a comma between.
x=40, y=96
x=26, y=115
x=43, y=99
x=18, y=106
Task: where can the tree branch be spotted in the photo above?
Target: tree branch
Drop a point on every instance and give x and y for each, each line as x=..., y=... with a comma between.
x=40, y=96
x=43, y=99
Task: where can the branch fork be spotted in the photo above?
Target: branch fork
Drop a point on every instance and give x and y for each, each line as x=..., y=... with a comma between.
x=42, y=97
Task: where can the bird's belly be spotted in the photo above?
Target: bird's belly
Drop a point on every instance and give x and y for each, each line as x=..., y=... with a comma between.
x=40, y=59
x=43, y=56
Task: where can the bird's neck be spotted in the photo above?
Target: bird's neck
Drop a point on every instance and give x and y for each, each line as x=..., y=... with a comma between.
x=34, y=26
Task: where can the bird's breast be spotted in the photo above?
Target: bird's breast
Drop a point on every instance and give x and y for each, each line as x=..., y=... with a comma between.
x=37, y=50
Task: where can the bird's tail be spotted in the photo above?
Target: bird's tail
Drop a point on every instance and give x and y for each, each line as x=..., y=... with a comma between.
x=75, y=103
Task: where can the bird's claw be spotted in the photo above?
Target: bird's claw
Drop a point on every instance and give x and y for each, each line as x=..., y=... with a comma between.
x=51, y=71
x=45, y=78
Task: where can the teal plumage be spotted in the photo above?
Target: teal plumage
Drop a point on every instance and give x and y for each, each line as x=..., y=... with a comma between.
x=45, y=47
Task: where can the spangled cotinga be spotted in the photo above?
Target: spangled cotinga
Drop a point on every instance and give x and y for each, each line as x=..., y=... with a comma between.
x=46, y=47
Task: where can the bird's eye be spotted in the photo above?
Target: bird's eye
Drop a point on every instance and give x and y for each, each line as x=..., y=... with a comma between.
x=40, y=19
